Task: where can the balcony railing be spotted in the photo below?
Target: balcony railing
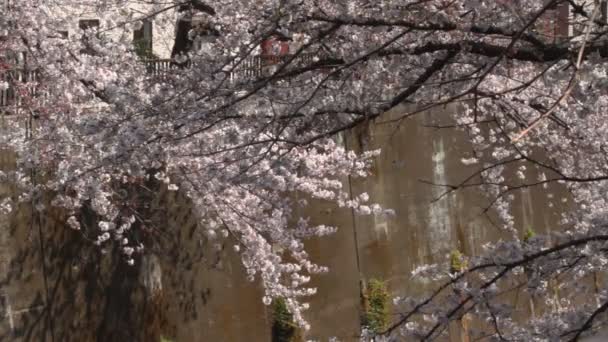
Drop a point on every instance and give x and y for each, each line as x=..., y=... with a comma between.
x=158, y=67
x=260, y=66
x=22, y=83
x=249, y=68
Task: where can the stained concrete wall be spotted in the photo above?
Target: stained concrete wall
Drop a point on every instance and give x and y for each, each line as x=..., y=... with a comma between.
x=424, y=229
x=206, y=296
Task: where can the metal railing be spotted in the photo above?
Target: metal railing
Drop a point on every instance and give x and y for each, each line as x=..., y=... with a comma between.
x=23, y=83
x=262, y=65
x=158, y=67
x=252, y=67
x=17, y=86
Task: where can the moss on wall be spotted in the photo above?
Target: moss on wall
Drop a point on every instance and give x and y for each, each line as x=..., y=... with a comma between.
x=283, y=327
x=376, y=306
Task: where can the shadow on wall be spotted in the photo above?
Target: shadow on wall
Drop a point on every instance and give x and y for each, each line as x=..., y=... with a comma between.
x=60, y=287
x=57, y=286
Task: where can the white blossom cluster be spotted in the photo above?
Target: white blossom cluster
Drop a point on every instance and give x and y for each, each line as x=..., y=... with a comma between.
x=247, y=149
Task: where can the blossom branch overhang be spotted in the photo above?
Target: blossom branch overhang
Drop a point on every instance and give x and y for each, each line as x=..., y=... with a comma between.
x=571, y=83
x=417, y=26
x=505, y=268
x=258, y=139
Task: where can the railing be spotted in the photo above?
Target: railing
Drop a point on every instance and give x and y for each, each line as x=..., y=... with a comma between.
x=158, y=67
x=22, y=83
x=249, y=68
x=262, y=65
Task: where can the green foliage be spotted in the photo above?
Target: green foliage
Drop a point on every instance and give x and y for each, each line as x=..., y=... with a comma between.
x=142, y=49
x=376, y=302
x=528, y=234
x=283, y=327
x=457, y=262
x=165, y=339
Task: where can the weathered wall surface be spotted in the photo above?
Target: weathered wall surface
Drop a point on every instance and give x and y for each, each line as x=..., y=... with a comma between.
x=425, y=229
x=205, y=294
x=22, y=293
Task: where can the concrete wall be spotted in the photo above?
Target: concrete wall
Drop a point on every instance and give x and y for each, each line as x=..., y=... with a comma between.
x=424, y=230
x=206, y=296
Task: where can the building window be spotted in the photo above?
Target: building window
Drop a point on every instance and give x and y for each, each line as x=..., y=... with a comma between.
x=87, y=24
x=142, y=40
x=554, y=25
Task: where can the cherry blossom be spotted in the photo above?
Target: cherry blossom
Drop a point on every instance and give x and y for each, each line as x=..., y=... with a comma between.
x=240, y=135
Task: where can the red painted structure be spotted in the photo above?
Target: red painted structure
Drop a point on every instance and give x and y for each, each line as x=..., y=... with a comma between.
x=273, y=49
x=275, y=46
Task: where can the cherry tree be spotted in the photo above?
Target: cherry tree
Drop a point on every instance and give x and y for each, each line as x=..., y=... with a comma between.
x=239, y=138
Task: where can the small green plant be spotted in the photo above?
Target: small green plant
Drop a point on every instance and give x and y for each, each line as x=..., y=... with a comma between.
x=528, y=234
x=143, y=49
x=165, y=339
x=375, y=305
x=457, y=262
x=283, y=327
